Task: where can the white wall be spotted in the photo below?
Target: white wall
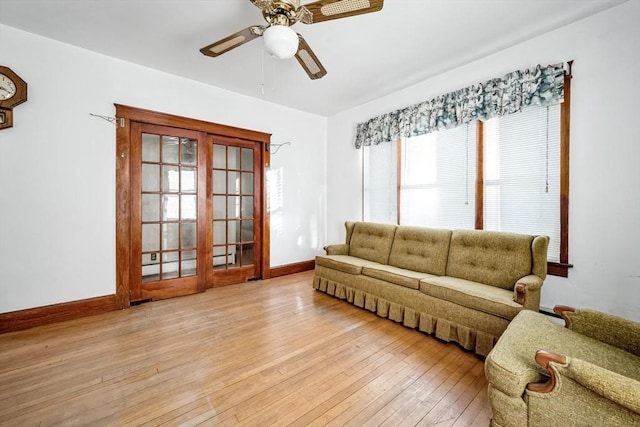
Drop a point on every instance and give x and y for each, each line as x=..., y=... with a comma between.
x=604, y=223
x=57, y=166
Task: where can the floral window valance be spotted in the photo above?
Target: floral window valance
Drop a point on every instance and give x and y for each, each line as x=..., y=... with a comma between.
x=496, y=97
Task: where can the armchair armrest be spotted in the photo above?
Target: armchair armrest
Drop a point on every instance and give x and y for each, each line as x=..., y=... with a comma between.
x=527, y=292
x=544, y=358
x=608, y=328
x=623, y=391
x=341, y=249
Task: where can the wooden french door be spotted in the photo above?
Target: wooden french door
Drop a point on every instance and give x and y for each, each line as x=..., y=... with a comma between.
x=168, y=215
x=236, y=201
x=190, y=206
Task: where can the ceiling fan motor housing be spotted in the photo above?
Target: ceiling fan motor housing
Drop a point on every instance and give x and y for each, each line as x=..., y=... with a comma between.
x=291, y=6
x=278, y=19
x=283, y=12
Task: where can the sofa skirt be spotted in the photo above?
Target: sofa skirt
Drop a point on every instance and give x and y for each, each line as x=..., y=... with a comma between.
x=450, y=322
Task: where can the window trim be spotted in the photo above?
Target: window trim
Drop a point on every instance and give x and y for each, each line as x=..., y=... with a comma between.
x=562, y=268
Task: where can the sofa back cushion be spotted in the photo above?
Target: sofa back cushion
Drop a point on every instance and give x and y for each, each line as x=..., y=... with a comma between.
x=372, y=241
x=421, y=249
x=489, y=257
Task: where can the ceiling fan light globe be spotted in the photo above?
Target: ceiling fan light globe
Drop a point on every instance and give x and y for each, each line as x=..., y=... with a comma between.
x=280, y=41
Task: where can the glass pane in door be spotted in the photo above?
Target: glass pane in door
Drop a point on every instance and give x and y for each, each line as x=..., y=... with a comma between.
x=247, y=159
x=169, y=207
x=233, y=210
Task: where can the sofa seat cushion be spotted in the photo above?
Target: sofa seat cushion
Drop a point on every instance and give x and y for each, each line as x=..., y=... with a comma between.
x=511, y=365
x=485, y=298
x=399, y=276
x=346, y=263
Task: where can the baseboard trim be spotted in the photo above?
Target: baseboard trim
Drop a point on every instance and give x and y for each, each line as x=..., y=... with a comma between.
x=297, y=267
x=38, y=316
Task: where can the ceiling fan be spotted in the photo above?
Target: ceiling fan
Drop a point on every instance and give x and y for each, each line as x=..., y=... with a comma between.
x=280, y=40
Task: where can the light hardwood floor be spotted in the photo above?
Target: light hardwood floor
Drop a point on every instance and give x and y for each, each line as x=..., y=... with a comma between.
x=263, y=353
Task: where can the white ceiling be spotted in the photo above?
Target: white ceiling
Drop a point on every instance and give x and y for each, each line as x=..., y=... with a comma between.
x=366, y=56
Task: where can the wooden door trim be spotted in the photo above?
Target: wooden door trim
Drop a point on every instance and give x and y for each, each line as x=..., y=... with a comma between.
x=135, y=251
x=204, y=250
x=153, y=117
x=123, y=212
x=125, y=116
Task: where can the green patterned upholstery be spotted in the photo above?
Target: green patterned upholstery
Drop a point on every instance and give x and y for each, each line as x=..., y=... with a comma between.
x=399, y=276
x=490, y=299
x=458, y=285
x=372, y=241
x=622, y=333
x=490, y=257
x=346, y=263
x=598, y=385
x=420, y=249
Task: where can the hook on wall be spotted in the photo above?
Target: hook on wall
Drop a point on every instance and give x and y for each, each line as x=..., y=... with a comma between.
x=277, y=147
x=113, y=120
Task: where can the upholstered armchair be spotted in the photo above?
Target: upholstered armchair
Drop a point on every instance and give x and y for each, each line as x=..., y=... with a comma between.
x=586, y=373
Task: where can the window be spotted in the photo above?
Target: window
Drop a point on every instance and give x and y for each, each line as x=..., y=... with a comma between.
x=505, y=174
x=438, y=178
x=380, y=182
x=522, y=174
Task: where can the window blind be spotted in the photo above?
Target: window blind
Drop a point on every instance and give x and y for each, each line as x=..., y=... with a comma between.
x=522, y=174
x=438, y=179
x=380, y=183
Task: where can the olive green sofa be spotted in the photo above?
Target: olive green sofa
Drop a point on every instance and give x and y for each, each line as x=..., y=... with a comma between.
x=584, y=374
x=463, y=286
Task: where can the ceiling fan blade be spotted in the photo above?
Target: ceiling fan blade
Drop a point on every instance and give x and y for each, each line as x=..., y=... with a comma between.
x=309, y=60
x=233, y=41
x=325, y=10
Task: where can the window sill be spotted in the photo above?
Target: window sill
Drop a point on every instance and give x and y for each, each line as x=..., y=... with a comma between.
x=558, y=269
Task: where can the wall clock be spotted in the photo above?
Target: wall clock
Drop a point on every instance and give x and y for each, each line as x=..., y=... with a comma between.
x=13, y=91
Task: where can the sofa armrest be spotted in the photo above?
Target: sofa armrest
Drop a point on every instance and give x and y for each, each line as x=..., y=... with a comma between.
x=608, y=328
x=527, y=292
x=341, y=249
x=623, y=391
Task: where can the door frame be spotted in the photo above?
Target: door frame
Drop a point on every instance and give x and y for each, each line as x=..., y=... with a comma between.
x=125, y=116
